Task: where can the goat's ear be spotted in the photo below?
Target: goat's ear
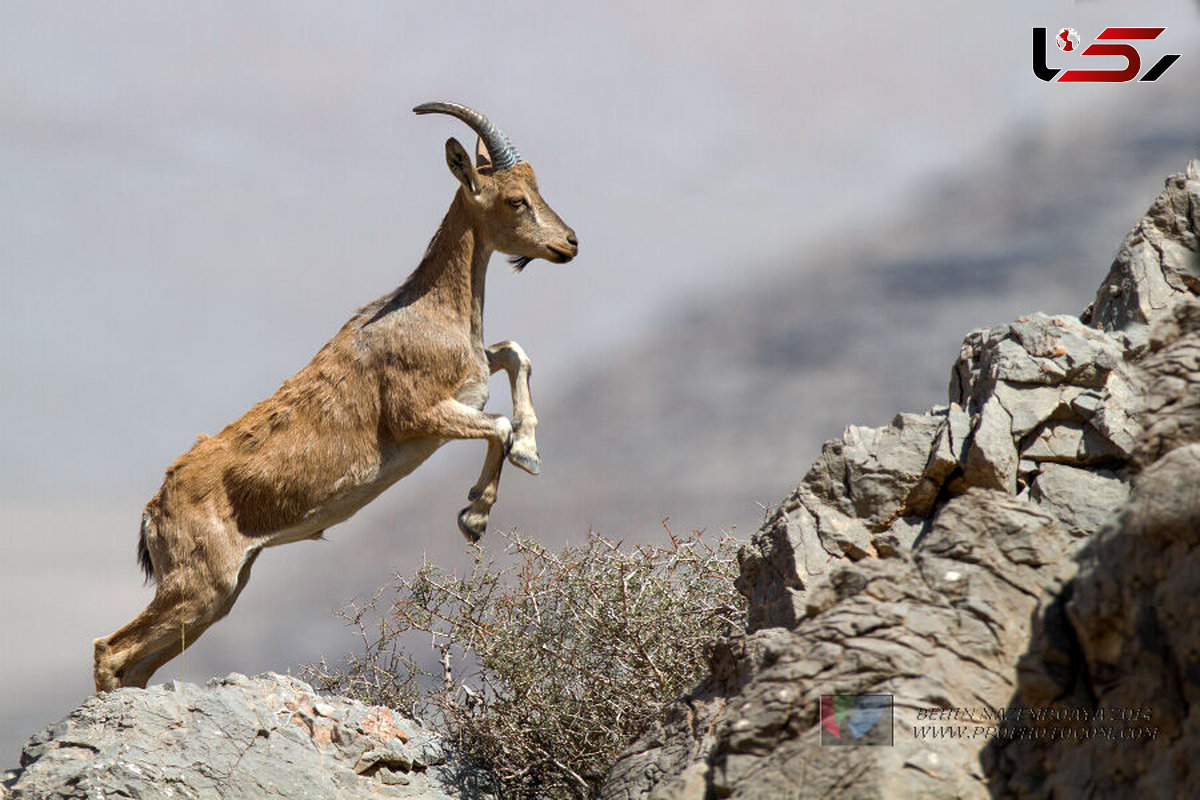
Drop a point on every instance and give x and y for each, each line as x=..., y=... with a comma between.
x=461, y=166
x=483, y=159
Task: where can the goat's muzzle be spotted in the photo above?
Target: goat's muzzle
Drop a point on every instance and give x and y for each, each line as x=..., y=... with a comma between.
x=565, y=251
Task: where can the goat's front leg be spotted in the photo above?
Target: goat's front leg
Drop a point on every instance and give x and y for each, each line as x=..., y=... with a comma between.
x=451, y=419
x=510, y=357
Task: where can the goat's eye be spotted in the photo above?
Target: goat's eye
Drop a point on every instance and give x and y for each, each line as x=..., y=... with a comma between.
x=516, y=202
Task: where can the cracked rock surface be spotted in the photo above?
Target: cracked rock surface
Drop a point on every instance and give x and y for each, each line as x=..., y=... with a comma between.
x=935, y=560
x=1115, y=660
x=270, y=736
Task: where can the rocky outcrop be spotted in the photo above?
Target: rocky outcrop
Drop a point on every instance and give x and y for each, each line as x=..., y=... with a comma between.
x=237, y=738
x=1114, y=666
x=921, y=559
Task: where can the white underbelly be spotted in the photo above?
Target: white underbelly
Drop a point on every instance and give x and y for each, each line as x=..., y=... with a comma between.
x=354, y=491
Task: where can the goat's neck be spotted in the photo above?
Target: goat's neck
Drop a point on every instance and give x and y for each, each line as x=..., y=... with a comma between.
x=453, y=272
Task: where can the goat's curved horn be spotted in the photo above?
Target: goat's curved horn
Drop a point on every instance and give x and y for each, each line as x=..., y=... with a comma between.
x=503, y=154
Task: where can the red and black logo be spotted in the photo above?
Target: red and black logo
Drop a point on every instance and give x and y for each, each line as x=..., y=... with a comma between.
x=1112, y=42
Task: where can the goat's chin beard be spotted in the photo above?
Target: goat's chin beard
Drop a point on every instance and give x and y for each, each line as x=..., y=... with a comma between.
x=519, y=262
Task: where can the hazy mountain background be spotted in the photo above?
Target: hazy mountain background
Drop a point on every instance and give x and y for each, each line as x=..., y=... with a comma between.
x=787, y=219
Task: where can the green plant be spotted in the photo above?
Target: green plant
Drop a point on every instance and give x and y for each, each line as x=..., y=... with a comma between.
x=551, y=665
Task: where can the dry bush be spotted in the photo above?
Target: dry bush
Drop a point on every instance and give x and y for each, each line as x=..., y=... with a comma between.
x=549, y=666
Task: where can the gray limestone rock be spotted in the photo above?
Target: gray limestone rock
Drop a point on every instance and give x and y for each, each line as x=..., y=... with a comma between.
x=1071, y=442
x=992, y=458
x=861, y=498
x=1115, y=415
x=874, y=474
x=950, y=447
x=1113, y=660
x=1034, y=351
x=1158, y=262
x=270, y=736
x=1081, y=499
x=777, y=565
x=1032, y=406
x=885, y=467
x=1171, y=405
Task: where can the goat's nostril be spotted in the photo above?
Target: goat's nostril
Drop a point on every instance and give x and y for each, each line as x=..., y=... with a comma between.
x=571, y=240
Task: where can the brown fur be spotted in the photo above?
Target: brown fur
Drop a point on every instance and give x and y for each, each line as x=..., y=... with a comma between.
x=403, y=376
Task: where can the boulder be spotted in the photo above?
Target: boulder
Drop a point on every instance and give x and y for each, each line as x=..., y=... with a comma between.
x=266, y=736
x=1081, y=499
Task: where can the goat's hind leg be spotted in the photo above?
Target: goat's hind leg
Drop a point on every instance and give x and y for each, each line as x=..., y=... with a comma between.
x=130, y=656
x=510, y=357
x=180, y=611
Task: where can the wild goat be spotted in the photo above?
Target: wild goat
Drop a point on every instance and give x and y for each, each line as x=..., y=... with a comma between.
x=405, y=375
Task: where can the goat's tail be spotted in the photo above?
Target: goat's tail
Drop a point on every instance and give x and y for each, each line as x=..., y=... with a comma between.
x=149, y=527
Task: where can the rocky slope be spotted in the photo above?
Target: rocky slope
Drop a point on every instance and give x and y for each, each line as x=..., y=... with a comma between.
x=236, y=739
x=922, y=559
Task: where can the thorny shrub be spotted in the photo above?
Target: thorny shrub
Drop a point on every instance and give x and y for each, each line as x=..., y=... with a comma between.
x=552, y=664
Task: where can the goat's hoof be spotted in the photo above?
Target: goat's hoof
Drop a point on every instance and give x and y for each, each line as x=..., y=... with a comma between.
x=526, y=461
x=472, y=524
x=106, y=679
